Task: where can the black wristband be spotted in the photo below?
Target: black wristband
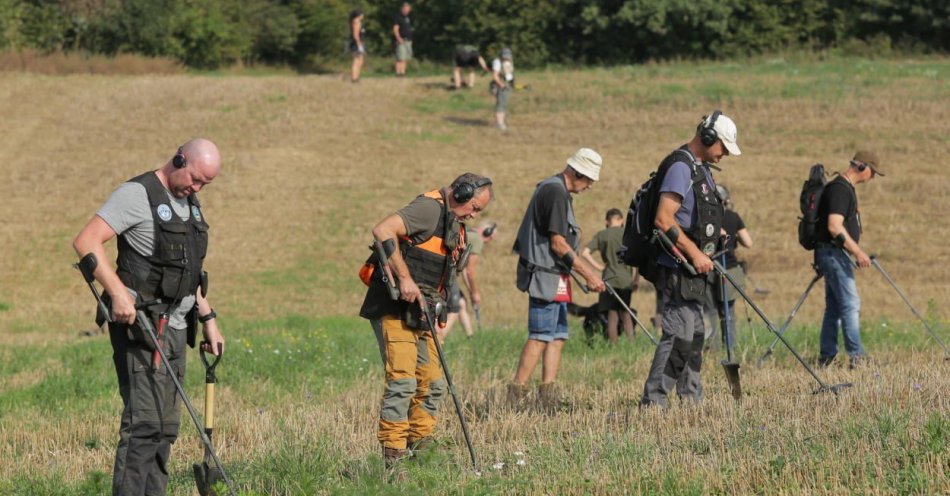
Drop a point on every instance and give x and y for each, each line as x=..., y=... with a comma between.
x=839, y=240
x=568, y=260
x=673, y=233
x=206, y=317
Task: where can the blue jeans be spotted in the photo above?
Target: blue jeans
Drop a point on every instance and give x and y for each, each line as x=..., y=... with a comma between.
x=842, y=303
x=547, y=321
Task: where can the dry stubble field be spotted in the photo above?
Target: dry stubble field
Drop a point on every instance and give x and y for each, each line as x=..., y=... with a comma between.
x=311, y=163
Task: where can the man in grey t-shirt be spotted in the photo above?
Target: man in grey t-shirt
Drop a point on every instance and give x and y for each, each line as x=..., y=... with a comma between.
x=162, y=238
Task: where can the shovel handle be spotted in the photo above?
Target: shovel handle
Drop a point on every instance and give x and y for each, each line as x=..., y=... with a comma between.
x=209, y=408
x=210, y=377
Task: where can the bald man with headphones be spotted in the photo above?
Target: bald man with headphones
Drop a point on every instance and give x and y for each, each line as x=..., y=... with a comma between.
x=425, y=243
x=162, y=241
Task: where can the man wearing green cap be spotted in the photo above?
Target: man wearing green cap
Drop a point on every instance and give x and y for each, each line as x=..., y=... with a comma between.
x=838, y=233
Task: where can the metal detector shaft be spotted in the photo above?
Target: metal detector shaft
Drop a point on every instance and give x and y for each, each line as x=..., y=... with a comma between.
x=768, y=323
x=430, y=320
x=798, y=305
x=904, y=297
x=630, y=311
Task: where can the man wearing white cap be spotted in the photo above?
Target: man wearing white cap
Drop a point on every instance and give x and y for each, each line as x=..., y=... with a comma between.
x=547, y=245
x=690, y=214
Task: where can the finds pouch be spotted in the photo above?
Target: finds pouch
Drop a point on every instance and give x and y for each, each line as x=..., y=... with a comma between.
x=692, y=288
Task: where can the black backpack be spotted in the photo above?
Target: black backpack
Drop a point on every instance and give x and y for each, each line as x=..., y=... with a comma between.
x=639, y=248
x=808, y=203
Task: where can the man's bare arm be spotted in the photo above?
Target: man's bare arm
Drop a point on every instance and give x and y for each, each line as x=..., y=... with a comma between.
x=92, y=239
x=666, y=218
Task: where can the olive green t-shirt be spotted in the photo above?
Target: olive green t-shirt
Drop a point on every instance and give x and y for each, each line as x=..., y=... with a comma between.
x=607, y=242
x=475, y=242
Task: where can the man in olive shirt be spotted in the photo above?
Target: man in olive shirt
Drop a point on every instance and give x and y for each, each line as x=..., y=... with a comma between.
x=621, y=277
x=426, y=243
x=457, y=305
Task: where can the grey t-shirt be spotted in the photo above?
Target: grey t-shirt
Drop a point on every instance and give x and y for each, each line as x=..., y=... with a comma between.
x=677, y=180
x=128, y=213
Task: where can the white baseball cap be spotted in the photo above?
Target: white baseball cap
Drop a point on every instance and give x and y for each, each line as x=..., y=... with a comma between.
x=586, y=162
x=726, y=130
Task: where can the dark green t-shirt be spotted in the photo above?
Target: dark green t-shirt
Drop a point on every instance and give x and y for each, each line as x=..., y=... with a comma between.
x=607, y=242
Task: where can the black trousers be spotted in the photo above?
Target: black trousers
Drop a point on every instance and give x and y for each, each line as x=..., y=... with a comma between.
x=150, y=414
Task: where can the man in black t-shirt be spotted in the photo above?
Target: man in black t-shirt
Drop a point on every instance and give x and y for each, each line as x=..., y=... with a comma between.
x=737, y=234
x=839, y=230
x=467, y=57
x=402, y=36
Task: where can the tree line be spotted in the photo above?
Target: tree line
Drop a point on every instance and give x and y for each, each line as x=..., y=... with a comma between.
x=207, y=34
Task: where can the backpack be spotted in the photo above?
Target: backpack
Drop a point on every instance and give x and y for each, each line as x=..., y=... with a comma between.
x=639, y=248
x=812, y=189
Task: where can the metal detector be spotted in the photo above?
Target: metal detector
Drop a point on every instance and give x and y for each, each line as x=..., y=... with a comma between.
x=729, y=365
x=823, y=387
x=904, y=297
x=87, y=266
x=610, y=289
x=798, y=305
x=430, y=322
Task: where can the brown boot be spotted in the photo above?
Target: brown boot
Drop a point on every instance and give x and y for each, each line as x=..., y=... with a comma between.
x=395, y=470
x=421, y=447
x=549, y=397
x=517, y=394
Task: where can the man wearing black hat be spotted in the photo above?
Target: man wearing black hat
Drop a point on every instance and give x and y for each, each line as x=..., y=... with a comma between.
x=838, y=231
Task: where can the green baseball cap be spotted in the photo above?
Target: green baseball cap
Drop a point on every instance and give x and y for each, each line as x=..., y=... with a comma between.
x=870, y=158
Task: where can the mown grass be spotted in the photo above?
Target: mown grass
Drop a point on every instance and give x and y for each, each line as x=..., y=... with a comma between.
x=312, y=163
x=297, y=397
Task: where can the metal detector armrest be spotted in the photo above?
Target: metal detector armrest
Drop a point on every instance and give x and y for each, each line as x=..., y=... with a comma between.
x=674, y=251
x=385, y=270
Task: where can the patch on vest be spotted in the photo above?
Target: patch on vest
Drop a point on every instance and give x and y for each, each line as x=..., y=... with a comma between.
x=709, y=249
x=164, y=212
x=196, y=213
x=710, y=230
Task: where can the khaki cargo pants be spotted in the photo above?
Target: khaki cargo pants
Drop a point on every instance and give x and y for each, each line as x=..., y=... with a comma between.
x=415, y=384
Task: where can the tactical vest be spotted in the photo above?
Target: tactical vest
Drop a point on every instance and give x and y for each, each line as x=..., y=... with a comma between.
x=430, y=261
x=173, y=270
x=705, y=230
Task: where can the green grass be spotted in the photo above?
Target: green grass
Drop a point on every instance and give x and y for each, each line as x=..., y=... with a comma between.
x=299, y=360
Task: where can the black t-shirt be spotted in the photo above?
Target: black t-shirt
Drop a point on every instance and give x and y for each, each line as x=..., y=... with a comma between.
x=732, y=223
x=405, y=27
x=550, y=213
x=840, y=198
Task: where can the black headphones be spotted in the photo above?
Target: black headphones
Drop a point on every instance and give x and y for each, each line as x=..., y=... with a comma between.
x=464, y=192
x=860, y=165
x=707, y=132
x=179, y=159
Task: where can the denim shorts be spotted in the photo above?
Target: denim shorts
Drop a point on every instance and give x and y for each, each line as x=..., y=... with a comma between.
x=547, y=321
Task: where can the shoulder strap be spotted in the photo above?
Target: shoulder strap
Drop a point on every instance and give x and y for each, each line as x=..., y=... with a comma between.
x=153, y=187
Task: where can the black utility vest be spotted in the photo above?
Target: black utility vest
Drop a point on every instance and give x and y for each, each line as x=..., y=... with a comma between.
x=431, y=261
x=705, y=231
x=173, y=270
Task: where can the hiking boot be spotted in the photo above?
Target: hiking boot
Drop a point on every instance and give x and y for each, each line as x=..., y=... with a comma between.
x=421, y=446
x=550, y=398
x=517, y=394
x=858, y=361
x=825, y=361
x=392, y=456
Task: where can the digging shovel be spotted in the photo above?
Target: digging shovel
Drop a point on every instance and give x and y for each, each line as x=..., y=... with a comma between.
x=729, y=365
x=207, y=474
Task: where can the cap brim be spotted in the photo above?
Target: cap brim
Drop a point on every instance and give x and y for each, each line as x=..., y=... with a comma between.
x=876, y=170
x=732, y=147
